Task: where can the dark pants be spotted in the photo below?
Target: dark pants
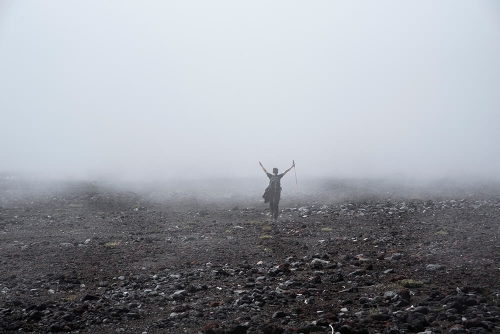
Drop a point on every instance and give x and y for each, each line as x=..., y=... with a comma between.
x=274, y=201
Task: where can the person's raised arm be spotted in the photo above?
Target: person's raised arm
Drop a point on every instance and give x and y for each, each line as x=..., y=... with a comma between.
x=265, y=171
x=288, y=169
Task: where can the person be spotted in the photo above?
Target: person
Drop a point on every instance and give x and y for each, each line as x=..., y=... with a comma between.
x=273, y=190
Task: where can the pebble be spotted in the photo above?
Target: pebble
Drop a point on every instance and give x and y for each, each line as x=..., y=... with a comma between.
x=434, y=267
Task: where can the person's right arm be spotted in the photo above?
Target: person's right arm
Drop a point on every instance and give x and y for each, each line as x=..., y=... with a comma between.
x=265, y=171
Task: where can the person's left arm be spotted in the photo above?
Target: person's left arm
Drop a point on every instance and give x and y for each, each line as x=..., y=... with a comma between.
x=288, y=169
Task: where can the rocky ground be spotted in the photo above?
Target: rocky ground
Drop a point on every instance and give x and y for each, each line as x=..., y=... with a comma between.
x=348, y=257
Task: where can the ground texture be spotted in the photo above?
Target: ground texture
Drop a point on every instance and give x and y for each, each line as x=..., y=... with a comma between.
x=87, y=258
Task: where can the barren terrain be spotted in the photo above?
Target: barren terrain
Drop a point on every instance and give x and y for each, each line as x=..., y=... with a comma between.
x=345, y=256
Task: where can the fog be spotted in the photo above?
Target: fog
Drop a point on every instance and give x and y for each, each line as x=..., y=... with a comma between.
x=160, y=90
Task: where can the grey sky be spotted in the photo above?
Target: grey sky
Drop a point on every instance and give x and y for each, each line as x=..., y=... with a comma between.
x=147, y=89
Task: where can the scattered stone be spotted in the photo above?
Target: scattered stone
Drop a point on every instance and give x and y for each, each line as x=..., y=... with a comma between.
x=300, y=281
x=304, y=211
x=411, y=284
x=417, y=321
x=434, y=267
x=396, y=256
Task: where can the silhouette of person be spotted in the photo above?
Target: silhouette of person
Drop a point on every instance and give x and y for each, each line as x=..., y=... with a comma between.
x=273, y=190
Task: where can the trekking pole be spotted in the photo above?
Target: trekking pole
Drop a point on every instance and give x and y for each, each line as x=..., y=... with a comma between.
x=295, y=170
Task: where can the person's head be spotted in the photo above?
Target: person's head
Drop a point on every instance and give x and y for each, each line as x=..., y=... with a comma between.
x=275, y=171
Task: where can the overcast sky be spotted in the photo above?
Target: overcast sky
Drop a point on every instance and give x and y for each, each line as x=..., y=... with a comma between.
x=152, y=89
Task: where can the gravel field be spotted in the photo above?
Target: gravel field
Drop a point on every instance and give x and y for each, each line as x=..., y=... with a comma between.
x=348, y=256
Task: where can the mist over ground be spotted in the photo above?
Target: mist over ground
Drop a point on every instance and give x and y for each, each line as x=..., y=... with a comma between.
x=231, y=193
x=150, y=92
